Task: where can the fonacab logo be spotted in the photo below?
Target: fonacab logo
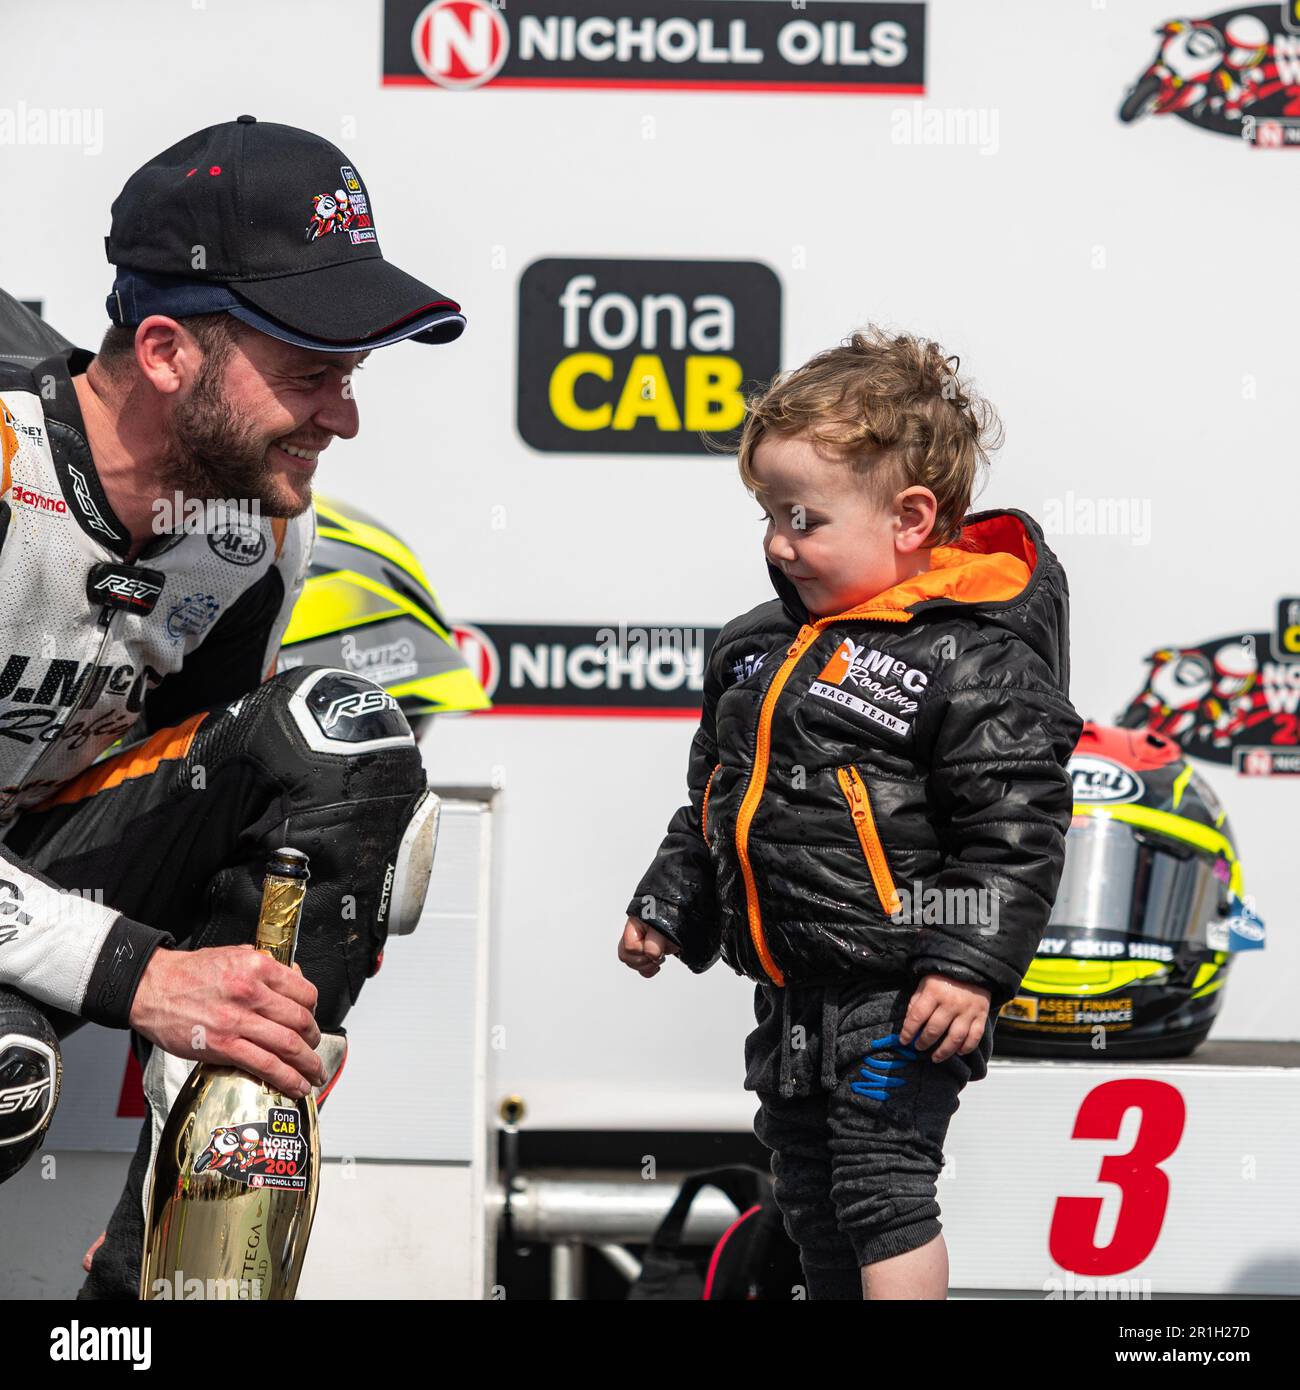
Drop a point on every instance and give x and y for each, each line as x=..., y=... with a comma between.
x=642, y=357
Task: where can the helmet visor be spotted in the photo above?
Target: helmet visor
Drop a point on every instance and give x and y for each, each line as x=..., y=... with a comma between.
x=1122, y=880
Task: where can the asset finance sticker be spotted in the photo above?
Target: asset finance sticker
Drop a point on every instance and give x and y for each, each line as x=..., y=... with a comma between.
x=1023, y=1008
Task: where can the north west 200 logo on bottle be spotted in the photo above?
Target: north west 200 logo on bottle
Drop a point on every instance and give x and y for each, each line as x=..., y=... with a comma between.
x=265, y=1153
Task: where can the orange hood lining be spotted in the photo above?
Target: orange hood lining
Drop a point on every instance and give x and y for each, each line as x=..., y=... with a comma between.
x=991, y=562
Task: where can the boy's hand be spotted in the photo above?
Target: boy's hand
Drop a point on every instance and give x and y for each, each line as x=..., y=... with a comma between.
x=644, y=948
x=950, y=1009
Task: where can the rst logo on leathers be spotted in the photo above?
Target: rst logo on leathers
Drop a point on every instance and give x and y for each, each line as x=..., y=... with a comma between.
x=873, y=684
x=125, y=586
x=341, y=712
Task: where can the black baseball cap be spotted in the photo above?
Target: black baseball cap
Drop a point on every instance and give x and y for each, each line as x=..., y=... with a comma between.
x=275, y=226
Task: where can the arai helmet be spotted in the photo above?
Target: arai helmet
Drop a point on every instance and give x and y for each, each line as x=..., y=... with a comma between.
x=1136, y=953
x=367, y=607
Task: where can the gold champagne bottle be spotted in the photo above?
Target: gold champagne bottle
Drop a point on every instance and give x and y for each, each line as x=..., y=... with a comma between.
x=235, y=1178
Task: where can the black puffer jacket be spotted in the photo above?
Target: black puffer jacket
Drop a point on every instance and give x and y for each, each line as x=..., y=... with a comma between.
x=846, y=768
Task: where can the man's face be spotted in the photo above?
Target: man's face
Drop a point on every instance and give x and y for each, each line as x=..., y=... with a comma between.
x=824, y=530
x=250, y=427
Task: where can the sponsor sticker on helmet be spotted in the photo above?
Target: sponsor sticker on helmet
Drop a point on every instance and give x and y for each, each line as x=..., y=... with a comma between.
x=1023, y=1008
x=1103, y=781
x=1241, y=930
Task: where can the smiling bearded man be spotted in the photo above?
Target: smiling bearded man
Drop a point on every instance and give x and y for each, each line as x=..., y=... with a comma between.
x=133, y=882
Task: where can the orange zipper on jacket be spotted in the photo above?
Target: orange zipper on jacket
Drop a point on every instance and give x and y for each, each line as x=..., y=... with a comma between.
x=864, y=822
x=808, y=634
x=704, y=809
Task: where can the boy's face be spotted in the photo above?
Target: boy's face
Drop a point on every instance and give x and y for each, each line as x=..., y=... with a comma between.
x=827, y=534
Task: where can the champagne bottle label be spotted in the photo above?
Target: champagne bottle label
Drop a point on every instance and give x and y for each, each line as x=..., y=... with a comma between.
x=267, y=1153
x=236, y=1174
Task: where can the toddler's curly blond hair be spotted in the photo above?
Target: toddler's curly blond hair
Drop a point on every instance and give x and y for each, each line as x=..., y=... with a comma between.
x=892, y=408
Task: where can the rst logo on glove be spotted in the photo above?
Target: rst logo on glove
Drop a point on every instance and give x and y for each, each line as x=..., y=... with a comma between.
x=341, y=712
x=22, y=1098
x=365, y=702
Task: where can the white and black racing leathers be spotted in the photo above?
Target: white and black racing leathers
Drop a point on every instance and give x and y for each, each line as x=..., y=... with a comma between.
x=93, y=650
x=165, y=841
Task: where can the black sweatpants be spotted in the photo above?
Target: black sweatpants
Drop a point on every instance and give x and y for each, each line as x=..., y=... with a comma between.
x=855, y=1122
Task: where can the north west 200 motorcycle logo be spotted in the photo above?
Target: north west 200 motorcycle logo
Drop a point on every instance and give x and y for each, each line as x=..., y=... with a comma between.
x=1233, y=699
x=1235, y=73
x=344, y=210
x=266, y=1153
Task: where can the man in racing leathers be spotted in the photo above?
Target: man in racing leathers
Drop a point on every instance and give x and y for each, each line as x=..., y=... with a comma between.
x=155, y=532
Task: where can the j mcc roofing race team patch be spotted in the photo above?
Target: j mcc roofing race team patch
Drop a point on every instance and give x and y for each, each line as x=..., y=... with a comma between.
x=882, y=689
x=835, y=46
x=642, y=357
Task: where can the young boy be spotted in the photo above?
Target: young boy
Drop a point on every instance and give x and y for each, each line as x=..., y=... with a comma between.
x=878, y=797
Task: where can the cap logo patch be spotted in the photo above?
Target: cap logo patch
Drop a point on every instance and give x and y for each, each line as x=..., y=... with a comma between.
x=344, y=210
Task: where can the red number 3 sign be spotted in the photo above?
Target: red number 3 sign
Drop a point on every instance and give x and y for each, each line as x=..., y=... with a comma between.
x=1144, y=1185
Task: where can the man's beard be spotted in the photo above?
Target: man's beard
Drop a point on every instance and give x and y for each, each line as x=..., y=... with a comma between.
x=214, y=453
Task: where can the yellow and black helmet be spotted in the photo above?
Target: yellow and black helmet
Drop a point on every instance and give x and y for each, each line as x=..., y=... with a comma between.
x=367, y=606
x=1149, y=911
